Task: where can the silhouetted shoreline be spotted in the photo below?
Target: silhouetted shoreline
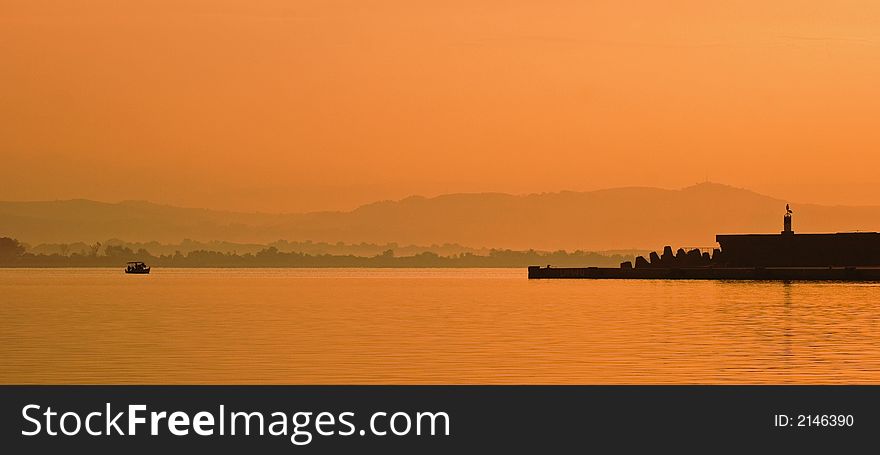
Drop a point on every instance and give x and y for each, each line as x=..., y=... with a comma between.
x=14, y=255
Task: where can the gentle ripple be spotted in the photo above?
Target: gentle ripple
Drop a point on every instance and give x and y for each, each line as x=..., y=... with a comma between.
x=414, y=326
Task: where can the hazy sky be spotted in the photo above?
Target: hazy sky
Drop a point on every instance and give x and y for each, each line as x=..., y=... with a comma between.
x=288, y=105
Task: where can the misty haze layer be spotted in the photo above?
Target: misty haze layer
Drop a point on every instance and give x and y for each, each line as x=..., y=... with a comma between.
x=622, y=218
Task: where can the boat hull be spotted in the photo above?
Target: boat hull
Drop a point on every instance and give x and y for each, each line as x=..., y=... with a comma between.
x=138, y=272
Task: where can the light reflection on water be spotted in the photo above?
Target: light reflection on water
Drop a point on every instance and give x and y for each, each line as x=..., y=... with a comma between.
x=472, y=326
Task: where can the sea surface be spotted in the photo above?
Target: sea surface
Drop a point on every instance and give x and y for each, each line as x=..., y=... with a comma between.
x=428, y=326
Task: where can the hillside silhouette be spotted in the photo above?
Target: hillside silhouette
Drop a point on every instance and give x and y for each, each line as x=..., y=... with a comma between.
x=619, y=218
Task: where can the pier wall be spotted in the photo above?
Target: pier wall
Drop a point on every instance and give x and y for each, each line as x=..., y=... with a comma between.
x=800, y=250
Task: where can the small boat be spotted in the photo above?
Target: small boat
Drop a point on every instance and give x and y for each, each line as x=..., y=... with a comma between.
x=137, y=267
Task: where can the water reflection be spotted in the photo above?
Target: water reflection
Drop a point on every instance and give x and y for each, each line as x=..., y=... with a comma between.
x=787, y=335
x=428, y=326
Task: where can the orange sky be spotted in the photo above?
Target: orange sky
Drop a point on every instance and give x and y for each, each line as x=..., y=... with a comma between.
x=281, y=105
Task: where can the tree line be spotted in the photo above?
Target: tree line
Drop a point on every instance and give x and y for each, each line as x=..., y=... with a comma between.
x=14, y=254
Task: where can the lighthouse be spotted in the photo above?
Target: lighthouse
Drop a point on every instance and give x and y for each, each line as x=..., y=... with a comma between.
x=786, y=221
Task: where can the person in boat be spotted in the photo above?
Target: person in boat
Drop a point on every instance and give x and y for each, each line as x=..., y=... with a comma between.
x=137, y=267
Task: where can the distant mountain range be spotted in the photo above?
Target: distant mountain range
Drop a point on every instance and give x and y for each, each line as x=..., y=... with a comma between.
x=619, y=218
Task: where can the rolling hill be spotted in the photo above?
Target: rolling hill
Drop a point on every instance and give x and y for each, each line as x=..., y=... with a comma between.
x=619, y=218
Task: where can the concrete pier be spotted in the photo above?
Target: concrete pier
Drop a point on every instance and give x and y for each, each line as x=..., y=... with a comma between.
x=711, y=273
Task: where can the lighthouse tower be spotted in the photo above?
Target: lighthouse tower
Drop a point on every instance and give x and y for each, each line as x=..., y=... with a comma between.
x=786, y=221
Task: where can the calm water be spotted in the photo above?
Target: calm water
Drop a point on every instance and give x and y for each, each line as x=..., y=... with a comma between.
x=428, y=326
